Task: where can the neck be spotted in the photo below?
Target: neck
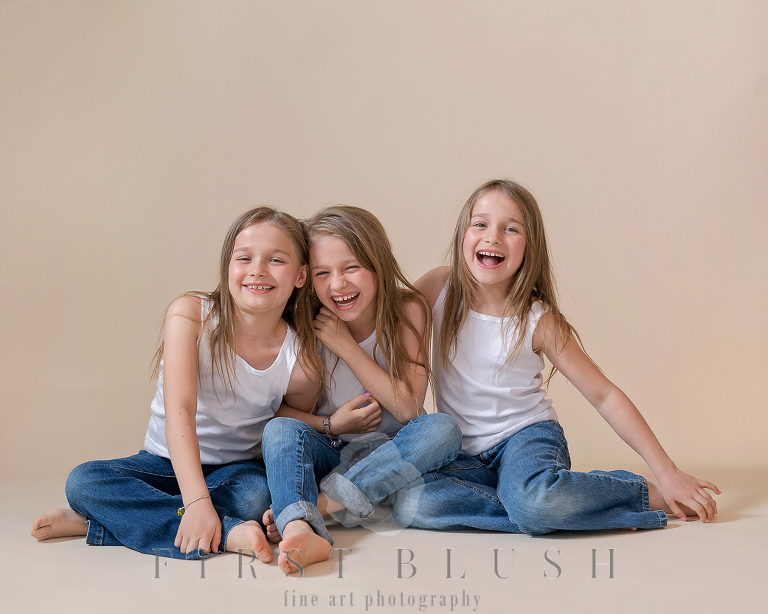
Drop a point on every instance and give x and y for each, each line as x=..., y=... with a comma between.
x=259, y=327
x=361, y=330
x=490, y=300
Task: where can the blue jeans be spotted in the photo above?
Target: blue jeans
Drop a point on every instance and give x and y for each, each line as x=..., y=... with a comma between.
x=133, y=501
x=535, y=491
x=358, y=474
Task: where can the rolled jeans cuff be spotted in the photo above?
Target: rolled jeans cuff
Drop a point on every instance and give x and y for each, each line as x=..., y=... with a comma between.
x=303, y=510
x=340, y=489
x=98, y=536
x=227, y=524
x=647, y=504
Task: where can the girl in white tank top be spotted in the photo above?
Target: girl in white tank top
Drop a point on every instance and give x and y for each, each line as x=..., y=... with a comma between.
x=226, y=363
x=366, y=439
x=495, y=317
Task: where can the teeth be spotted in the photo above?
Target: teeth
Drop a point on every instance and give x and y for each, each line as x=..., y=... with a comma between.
x=252, y=287
x=345, y=297
x=493, y=254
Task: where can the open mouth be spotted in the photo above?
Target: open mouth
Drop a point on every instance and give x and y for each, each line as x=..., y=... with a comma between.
x=344, y=301
x=489, y=259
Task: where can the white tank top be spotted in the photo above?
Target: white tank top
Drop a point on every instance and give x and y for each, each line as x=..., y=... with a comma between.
x=342, y=385
x=490, y=400
x=229, y=427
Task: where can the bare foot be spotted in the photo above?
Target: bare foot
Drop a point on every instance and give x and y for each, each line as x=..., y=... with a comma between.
x=249, y=536
x=326, y=505
x=657, y=502
x=59, y=522
x=303, y=545
x=268, y=521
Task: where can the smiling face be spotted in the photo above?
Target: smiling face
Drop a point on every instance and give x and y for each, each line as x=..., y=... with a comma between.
x=342, y=284
x=494, y=242
x=264, y=269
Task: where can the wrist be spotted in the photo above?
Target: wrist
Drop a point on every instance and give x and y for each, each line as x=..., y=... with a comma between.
x=347, y=348
x=328, y=431
x=182, y=510
x=664, y=470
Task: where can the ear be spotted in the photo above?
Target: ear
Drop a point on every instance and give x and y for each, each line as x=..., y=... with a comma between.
x=301, y=278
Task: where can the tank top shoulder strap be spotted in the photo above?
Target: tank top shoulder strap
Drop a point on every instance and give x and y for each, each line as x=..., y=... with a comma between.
x=440, y=302
x=290, y=349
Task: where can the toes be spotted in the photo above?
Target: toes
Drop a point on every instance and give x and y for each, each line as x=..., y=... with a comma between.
x=265, y=555
x=284, y=565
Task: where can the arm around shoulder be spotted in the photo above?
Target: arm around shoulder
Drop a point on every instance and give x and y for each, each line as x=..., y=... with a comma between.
x=431, y=283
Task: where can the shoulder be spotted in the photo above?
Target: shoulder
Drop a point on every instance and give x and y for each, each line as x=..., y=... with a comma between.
x=551, y=330
x=431, y=283
x=180, y=334
x=188, y=306
x=183, y=320
x=417, y=310
x=538, y=311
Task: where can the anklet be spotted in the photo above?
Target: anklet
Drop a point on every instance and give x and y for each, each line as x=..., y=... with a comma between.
x=335, y=439
x=183, y=508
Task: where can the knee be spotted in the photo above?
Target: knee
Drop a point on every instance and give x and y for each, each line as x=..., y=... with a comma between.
x=445, y=432
x=81, y=481
x=281, y=432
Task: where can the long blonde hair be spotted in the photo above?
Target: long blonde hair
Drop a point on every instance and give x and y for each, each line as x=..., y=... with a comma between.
x=534, y=280
x=366, y=238
x=220, y=322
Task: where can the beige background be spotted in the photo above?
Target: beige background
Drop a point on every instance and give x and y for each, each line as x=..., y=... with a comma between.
x=133, y=133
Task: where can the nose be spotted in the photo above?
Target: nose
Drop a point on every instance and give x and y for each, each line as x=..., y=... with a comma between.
x=257, y=268
x=338, y=283
x=492, y=236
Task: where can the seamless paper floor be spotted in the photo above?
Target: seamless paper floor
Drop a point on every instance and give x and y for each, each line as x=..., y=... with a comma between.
x=692, y=567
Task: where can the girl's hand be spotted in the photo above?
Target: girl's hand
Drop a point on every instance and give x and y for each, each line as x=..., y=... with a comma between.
x=350, y=419
x=200, y=528
x=333, y=332
x=682, y=491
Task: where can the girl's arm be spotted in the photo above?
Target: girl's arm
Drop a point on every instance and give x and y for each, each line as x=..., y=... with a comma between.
x=347, y=419
x=301, y=400
x=431, y=283
x=200, y=525
x=335, y=335
x=613, y=405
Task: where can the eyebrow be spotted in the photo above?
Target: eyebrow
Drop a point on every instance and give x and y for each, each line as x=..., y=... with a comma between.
x=484, y=216
x=345, y=263
x=246, y=249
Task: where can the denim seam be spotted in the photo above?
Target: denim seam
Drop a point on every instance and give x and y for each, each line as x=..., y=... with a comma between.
x=170, y=474
x=482, y=493
x=95, y=535
x=644, y=494
x=662, y=515
x=560, y=455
